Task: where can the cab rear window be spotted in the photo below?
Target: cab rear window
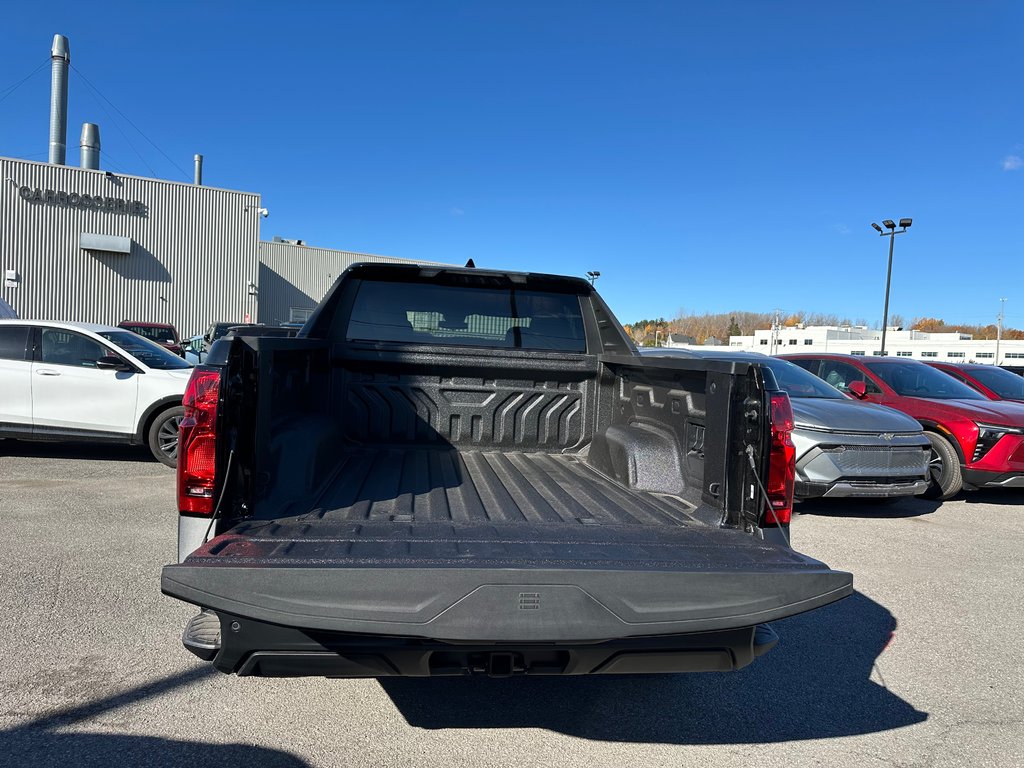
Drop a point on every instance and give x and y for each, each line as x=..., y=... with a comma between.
x=506, y=318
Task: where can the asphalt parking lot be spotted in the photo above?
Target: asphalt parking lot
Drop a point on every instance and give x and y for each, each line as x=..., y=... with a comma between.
x=923, y=666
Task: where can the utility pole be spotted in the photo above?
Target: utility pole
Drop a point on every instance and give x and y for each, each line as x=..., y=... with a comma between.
x=999, y=327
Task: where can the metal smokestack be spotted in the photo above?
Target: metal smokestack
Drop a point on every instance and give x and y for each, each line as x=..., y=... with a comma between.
x=60, y=58
x=199, y=169
x=90, y=146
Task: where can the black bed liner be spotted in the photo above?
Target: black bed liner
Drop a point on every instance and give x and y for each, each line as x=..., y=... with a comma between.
x=423, y=484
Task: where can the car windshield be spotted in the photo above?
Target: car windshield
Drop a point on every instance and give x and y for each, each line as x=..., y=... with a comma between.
x=145, y=351
x=919, y=380
x=1008, y=386
x=800, y=383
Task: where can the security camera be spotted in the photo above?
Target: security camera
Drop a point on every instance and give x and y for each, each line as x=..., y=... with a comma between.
x=264, y=212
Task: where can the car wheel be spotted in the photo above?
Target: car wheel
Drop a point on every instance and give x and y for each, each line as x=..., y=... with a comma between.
x=944, y=468
x=163, y=435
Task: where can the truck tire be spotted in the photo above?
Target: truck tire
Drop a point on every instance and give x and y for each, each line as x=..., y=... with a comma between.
x=944, y=468
x=163, y=435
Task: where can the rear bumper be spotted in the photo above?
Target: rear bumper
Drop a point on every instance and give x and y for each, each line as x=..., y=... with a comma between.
x=252, y=648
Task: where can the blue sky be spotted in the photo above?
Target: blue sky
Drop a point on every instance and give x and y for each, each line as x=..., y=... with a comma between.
x=701, y=156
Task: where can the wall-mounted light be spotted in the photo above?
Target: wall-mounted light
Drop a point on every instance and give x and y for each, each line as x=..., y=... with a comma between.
x=252, y=288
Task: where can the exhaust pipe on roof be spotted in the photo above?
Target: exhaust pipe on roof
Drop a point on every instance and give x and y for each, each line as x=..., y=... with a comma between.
x=199, y=169
x=60, y=58
x=90, y=146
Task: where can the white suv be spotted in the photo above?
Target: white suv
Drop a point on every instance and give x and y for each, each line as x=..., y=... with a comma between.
x=77, y=381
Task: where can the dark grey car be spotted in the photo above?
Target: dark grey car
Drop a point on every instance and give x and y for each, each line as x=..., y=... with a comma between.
x=844, y=447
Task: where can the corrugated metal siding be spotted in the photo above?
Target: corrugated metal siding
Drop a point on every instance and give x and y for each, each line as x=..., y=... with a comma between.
x=192, y=255
x=298, y=276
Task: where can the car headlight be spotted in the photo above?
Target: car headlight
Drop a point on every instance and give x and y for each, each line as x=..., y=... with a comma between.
x=989, y=435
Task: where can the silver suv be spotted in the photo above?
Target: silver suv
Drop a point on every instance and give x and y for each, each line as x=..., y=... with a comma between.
x=844, y=447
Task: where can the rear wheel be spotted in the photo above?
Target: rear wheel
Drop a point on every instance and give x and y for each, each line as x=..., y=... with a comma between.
x=163, y=435
x=944, y=469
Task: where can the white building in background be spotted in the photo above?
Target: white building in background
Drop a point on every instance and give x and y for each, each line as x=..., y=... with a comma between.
x=861, y=340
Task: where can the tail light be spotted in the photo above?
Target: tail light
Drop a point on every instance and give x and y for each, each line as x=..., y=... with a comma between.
x=197, y=442
x=781, y=462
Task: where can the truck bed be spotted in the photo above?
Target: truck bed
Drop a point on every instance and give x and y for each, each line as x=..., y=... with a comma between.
x=416, y=485
x=486, y=546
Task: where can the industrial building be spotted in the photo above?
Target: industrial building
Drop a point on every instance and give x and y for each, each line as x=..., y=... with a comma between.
x=861, y=340
x=86, y=244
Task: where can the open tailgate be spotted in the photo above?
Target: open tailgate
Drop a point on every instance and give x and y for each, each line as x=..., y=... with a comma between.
x=500, y=583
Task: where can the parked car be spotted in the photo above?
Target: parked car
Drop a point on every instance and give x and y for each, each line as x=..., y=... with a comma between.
x=844, y=447
x=993, y=382
x=77, y=381
x=163, y=334
x=218, y=330
x=976, y=442
x=266, y=331
x=462, y=471
x=195, y=349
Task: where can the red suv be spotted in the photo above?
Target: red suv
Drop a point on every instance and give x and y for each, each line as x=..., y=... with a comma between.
x=975, y=442
x=992, y=381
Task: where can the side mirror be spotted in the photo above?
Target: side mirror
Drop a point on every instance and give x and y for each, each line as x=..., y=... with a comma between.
x=112, y=363
x=858, y=389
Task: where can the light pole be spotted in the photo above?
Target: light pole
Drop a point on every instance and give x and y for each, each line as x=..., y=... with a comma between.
x=999, y=328
x=891, y=234
x=592, y=276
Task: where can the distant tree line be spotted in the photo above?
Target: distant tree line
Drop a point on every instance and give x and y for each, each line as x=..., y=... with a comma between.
x=722, y=325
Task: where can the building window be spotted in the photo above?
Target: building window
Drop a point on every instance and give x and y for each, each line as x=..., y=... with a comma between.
x=808, y=342
x=1015, y=355
x=877, y=352
x=764, y=342
x=956, y=354
x=298, y=314
x=857, y=352
x=792, y=342
x=986, y=354
x=904, y=354
x=929, y=354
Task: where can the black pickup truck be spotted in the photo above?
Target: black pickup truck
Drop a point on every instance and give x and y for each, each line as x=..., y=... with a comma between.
x=460, y=471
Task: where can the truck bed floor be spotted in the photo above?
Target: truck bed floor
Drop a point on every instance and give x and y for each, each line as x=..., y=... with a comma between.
x=432, y=485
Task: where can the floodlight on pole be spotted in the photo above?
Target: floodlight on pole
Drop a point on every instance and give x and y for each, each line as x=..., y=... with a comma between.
x=891, y=234
x=592, y=276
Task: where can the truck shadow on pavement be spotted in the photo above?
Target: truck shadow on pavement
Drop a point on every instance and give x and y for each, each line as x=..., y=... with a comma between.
x=997, y=496
x=867, y=508
x=816, y=684
x=44, y=742
x=89, y=451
